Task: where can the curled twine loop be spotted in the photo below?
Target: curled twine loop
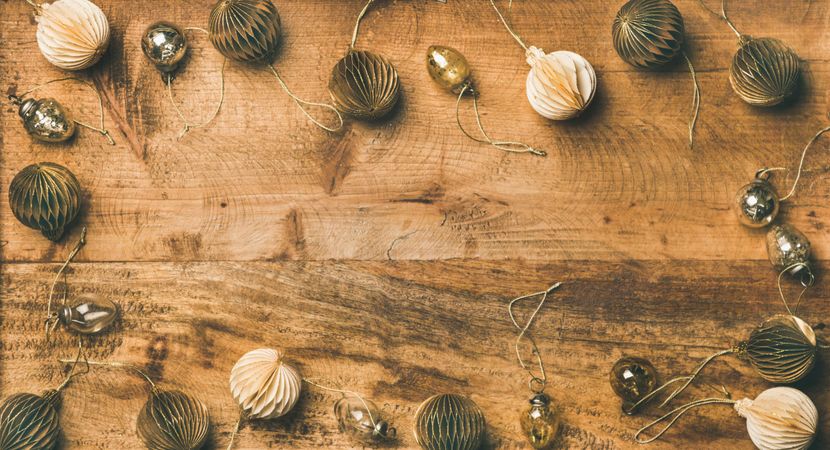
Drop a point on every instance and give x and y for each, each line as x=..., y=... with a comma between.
x=722, y=16
x=187, y=124
x=18, y=99
x=675, y=415
x=300, y=102
x=507, y=146
x=765, y=172
x=52, y=318
x=536, y=383
x=807, y=281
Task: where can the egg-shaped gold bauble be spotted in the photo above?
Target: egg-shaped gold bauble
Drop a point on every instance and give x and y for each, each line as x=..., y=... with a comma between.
x=364, y=85
x=29, y=422
x=245, y=30
x=541, y=422
x=560, y=85
x=648, y=33
x=449, y=422
x=173, y=420
x=45, y=197
x=449, y=68
x=72, y=34
x=780, y=418
x=764, y=71
x=782, y=350
x=264, y=385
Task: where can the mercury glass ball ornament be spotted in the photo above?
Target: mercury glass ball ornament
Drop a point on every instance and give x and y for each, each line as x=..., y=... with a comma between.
x=757, y=203
x=648, y=33
x=245, y=30
x=782, y=349
x=46, y=120
x=449, y=68
x=449, y=422
x=788, y=249
x=46, y=197
x=29, y=422
x=632, y=379
x=364, y=85
x=88, y=314
x=764, y=71
x=164, y=45
x=540, y=422
x=173, y=420
x=362, y=420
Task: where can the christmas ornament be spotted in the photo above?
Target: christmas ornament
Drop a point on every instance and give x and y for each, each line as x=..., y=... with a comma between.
x=361, y=419
x=88, y=314
x=560, y=85
x=29, y=421
x=173, y=420
x=757, y=203
x=649, y=34
x=788, y=249
x=363, y=84
x=249, y=31
x=450, y=69
x=71, y=34
x=264, y=385
x=632, y=379
x=778, y=419
x=45, y=197
x=449, y=422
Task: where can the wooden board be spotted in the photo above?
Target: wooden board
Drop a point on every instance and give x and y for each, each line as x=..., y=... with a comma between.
x=382, y=257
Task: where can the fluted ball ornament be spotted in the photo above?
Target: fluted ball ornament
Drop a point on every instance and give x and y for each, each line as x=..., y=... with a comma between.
x=757, y=203
x=782, y=349
x=560, y=85
x=29, y=422
x=245, y=30
x=648, y=33
x=364, y=85
x=173, y=420
x=72, y=34
x=264, y=385
x=46, y=197
x=788, y=249
x=449, y=422
x=780, y=418
x=764, y=71
x=164, y=45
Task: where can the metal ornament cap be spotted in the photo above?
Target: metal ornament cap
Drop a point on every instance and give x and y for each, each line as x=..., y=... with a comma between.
x=648, y=33
x=364, y=85
x=764, y=71
x=29, y=421
x=449, y=422
x=164, y=45
x=173, y=420
x=46, y=197
x=245, y=30
x=782, y=349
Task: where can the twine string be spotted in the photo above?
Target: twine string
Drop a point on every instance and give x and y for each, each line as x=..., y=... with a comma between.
x=722, y=16
x=52, y=318
x=300, y=103
x=537, y=383
x=236, y=430
x=675, y=415
x=118, y=364
x=695, y=101
x=357, y=23
x=346, y=392
x=507, y=25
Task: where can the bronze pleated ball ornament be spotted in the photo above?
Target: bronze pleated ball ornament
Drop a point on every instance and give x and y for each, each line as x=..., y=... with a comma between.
x=364, y=85
x=632, y=379
x=449, y=422
x=449, y=68
x=648, y=33
x=782, y=350
x=46, y=119
x=164, y=45
x=245, y=30
x=788, y=249
x=29, y=422
x=757, y=203
x=45, y=197
x=173, y=420
x=764, y=71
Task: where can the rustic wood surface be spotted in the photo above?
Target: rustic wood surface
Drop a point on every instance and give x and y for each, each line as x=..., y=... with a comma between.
x=382, y=258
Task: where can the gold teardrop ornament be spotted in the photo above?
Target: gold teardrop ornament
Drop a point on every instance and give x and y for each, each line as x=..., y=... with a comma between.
x=449, y=422
x=648, y=33
x=782, y=349
x=764, y=71
x=45, y=197
x=173, y=420
x=29, y=422
x=245, y=30
x=364, y=85
x=449, y=68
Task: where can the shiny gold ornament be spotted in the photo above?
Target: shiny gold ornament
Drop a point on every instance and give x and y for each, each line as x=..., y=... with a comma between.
x=364, y=85
x=46, y=120
x=648, y=33
x=45, y=197
x=164, y=45
x=173, y=420
x=361, y=419
x=632, y=379
x=764, y=71
x=449, y=68
x=449, y=422
x=757, y=203
x=72, y=34
x=29, y=422
x=788, y=249
x=540, y=422
x=88, y=314
x=245, y=30
x=782, y=350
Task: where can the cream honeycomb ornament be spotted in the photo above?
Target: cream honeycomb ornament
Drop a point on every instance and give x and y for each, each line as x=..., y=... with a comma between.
x=72, y=34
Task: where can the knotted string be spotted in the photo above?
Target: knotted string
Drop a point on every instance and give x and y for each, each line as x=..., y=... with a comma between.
x=18, y=99
x=118, y=364
x=723, y=17
x=507, y=25
x=695, y=101
x=300, y=102
x=52, y=318
x=538, y=383
x=187, y=124
x=675, y=415
x=508, y=146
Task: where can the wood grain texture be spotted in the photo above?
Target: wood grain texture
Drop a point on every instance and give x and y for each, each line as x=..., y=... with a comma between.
x=382, y=258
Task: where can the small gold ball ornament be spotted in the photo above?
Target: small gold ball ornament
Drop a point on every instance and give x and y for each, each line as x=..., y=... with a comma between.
x=449, y=68
x=364, y=85
x=757, y=203
x=29, y=421
x=648, y=33
x=632, y=379
x=46, y=197
x=245, y=30
x=173, y=420
x=764, y=71
x=164, y=45
x=449, y=422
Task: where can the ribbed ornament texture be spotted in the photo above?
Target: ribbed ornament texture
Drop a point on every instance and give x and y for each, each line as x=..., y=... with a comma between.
x=449, y=422
x=364, y=85
x=782, y=349
x=764, y=71
x=245, y=30
x=648, y=33
x=264, y=385
x=46, y=197
x=173, y=420
x=560, y=85
x=28, y=422
x=781, y=418
x=72, y=34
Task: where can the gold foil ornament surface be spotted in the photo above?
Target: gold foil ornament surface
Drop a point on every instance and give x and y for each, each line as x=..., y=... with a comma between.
x=648, y=33
x=245, y=30
x=45, y=197
x=764, y=71
x=29, y=422
x=364, y=85
x=173, y=420
x=449, y=422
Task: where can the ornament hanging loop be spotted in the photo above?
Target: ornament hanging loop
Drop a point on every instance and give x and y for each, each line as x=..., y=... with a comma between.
x=801, y=162
x=538, y=383
x=72, y=372
x=695, y=100
x=508, y=27
x=675, y=415
x=743, y=39
x=303, y=103
x=807, y=279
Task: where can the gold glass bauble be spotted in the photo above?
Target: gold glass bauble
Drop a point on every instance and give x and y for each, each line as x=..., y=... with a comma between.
x=788, y=249
x=648, y=33
x=173, y=420
x=88, y=314
x=540, y=422
x=46, y=120
x=46, y=197
x=29, y=422
x=361, y=419
x=764, y=71
x=632, y=379
x=245, y=30
x=782, y=349
x=448, y=67
x=757, y=203
x=449, y=422
x=164, y=45
x=364, y=85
